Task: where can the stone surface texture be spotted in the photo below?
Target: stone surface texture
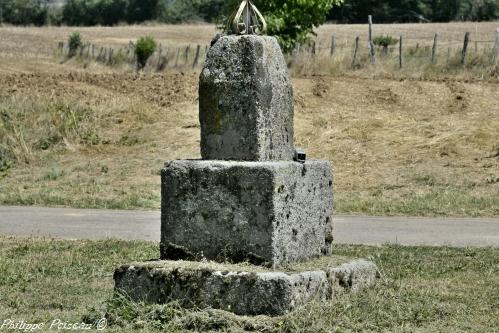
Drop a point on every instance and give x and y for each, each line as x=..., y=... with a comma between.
x=263, y=212
x=250, y=292
x=246, y=101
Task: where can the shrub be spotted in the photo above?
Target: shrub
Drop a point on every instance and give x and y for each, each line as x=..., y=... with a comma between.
x=385, y=42
x=75, y=43
x=144, y=49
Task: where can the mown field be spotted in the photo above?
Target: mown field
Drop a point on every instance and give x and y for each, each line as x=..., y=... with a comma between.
x=82, y=134
x=422, y=289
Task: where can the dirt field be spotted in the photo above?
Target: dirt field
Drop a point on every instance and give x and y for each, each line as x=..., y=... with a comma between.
x=97, y=137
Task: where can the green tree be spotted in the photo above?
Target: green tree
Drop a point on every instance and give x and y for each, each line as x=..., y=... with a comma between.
x=209, y=10
x=391, y=11
x=291, y=21
x=142, y=10
x=23, y=12
x=111, y=12
x=176, y=11
x=79, y=12
x=179, y=11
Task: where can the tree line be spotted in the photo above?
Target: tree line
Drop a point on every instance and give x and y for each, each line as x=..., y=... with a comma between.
x=404, y=11
x=112, y=12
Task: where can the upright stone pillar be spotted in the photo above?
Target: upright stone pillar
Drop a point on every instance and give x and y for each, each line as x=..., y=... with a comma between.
x=246, y=101
x=247, y=200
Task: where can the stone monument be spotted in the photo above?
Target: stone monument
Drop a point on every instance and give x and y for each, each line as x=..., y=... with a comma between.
x=247, y=199
x=235, y=223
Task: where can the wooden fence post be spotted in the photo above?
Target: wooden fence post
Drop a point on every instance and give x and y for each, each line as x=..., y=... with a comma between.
x=434, y=50
x=160, y=53
x=111, y=53
x=187, y=51
x=465, y=47
x=333, y=45
x=401, y=54
x=196, y=58
x=495, y=51
x=99, y=57
x=178, y=56
x=372, y=52
x=205, y=52
x=313, y=48
x=354, y=61
x=162, y=62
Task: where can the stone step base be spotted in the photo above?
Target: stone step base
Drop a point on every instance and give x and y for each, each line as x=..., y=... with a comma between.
x=242, y=288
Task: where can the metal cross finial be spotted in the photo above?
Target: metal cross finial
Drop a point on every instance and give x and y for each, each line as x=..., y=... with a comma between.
x=246, y=20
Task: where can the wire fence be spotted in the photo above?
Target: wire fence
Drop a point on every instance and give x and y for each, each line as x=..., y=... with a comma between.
x=431, y=47
x=164, y=57
x=434, y=48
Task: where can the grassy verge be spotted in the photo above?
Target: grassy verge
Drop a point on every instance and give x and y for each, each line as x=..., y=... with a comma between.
x=441, y=201
x=87, y=140
x=423, y=289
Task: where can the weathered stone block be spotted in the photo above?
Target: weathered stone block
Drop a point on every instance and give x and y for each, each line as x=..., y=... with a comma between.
x=246, y=101
x=263, y=212
x=242, y=289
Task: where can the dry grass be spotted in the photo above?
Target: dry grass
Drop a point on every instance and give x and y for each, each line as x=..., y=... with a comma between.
x=426, y=145
x=404, y=146
x=398, y=147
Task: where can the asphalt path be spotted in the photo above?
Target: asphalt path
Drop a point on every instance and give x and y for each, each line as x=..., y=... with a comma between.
x=67, y=223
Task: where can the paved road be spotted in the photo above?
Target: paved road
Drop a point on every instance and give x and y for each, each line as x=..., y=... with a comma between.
x=145, y=225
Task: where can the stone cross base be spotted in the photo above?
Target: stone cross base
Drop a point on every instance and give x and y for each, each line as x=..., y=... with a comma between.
x=242, y=289
x=267, y=213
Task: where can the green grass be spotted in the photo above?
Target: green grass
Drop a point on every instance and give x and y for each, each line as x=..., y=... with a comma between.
x=451, y=200
x=422, y=289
